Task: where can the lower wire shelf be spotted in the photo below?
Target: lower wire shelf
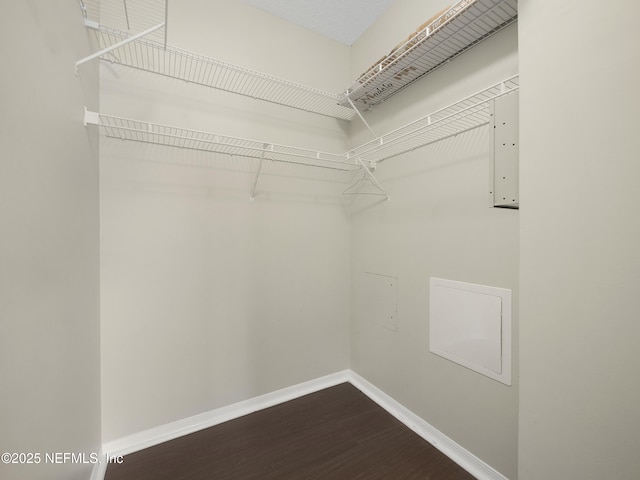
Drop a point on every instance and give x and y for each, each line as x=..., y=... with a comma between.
x=170, y=136
x=466, y=114
x=471, y=112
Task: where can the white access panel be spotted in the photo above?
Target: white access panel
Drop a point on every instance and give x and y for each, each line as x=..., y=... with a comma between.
x=381, y=305
x=470, y=324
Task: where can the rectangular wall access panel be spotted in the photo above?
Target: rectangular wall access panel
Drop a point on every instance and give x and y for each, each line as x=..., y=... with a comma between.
x=381, y=305
x=470, y=324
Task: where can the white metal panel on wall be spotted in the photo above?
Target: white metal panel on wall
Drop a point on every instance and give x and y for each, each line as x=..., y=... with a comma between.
x=505, y=167
x=470, y=324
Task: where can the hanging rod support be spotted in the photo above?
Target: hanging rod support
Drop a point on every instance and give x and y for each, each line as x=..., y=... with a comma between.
x=118, y=45
x=255, y=182
x=361, y=117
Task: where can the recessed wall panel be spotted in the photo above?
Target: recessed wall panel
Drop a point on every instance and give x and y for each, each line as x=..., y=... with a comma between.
x=470, y=324
x=381, y=306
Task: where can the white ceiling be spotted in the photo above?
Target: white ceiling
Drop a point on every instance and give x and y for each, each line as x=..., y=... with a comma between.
x=340, y=20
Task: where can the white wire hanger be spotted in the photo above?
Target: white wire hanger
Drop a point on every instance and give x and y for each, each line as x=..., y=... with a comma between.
x=367, y=184
x=364, y=186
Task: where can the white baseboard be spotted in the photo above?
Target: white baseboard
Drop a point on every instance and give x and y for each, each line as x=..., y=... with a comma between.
x=170, y=431
x=451, y=449
x=99, y=469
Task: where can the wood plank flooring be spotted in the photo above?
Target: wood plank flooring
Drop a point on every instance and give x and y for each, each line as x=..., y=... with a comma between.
x=337, y=433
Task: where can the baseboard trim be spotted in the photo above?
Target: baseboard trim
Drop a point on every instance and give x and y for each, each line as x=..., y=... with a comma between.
x=100, y=468
x=457, y=453
x=170, y=431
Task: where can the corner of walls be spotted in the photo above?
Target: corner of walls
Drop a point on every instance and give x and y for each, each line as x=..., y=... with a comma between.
x=49, y=280
x=438, y=224
x=467, y=460
x=202, y=290
x=163, y=433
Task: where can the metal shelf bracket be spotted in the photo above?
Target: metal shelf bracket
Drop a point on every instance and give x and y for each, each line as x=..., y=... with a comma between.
x=90, y=118
x=117, y=45
x=252, y=195
x=361, y=117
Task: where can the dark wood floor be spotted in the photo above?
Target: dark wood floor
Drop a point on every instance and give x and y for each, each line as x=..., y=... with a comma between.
x=337, y=433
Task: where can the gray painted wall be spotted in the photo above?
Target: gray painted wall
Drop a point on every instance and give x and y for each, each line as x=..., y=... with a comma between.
x=208, y=299
x=49, y=291
x=438, y=224
x=570, y=255
x=580, y=237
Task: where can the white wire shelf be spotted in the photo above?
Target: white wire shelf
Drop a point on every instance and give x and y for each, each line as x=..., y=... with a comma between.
x=464, y=25
x=146, y=132
x=136, y=38
x=466, y=114
x=155, y=57
x=471, y=112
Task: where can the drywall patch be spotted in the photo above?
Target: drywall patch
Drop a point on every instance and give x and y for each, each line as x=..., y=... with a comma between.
x=381, y=305
x=470, y=324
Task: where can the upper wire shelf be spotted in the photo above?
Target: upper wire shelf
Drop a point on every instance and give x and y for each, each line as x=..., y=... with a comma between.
x=462, y=26
x=136, y=37
x=155, y=57
x=133, y=33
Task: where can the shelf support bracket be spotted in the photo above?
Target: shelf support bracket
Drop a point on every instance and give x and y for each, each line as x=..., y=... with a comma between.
x=255, y=182
x=91, y=118
x=118, y=45
x=361, y=117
